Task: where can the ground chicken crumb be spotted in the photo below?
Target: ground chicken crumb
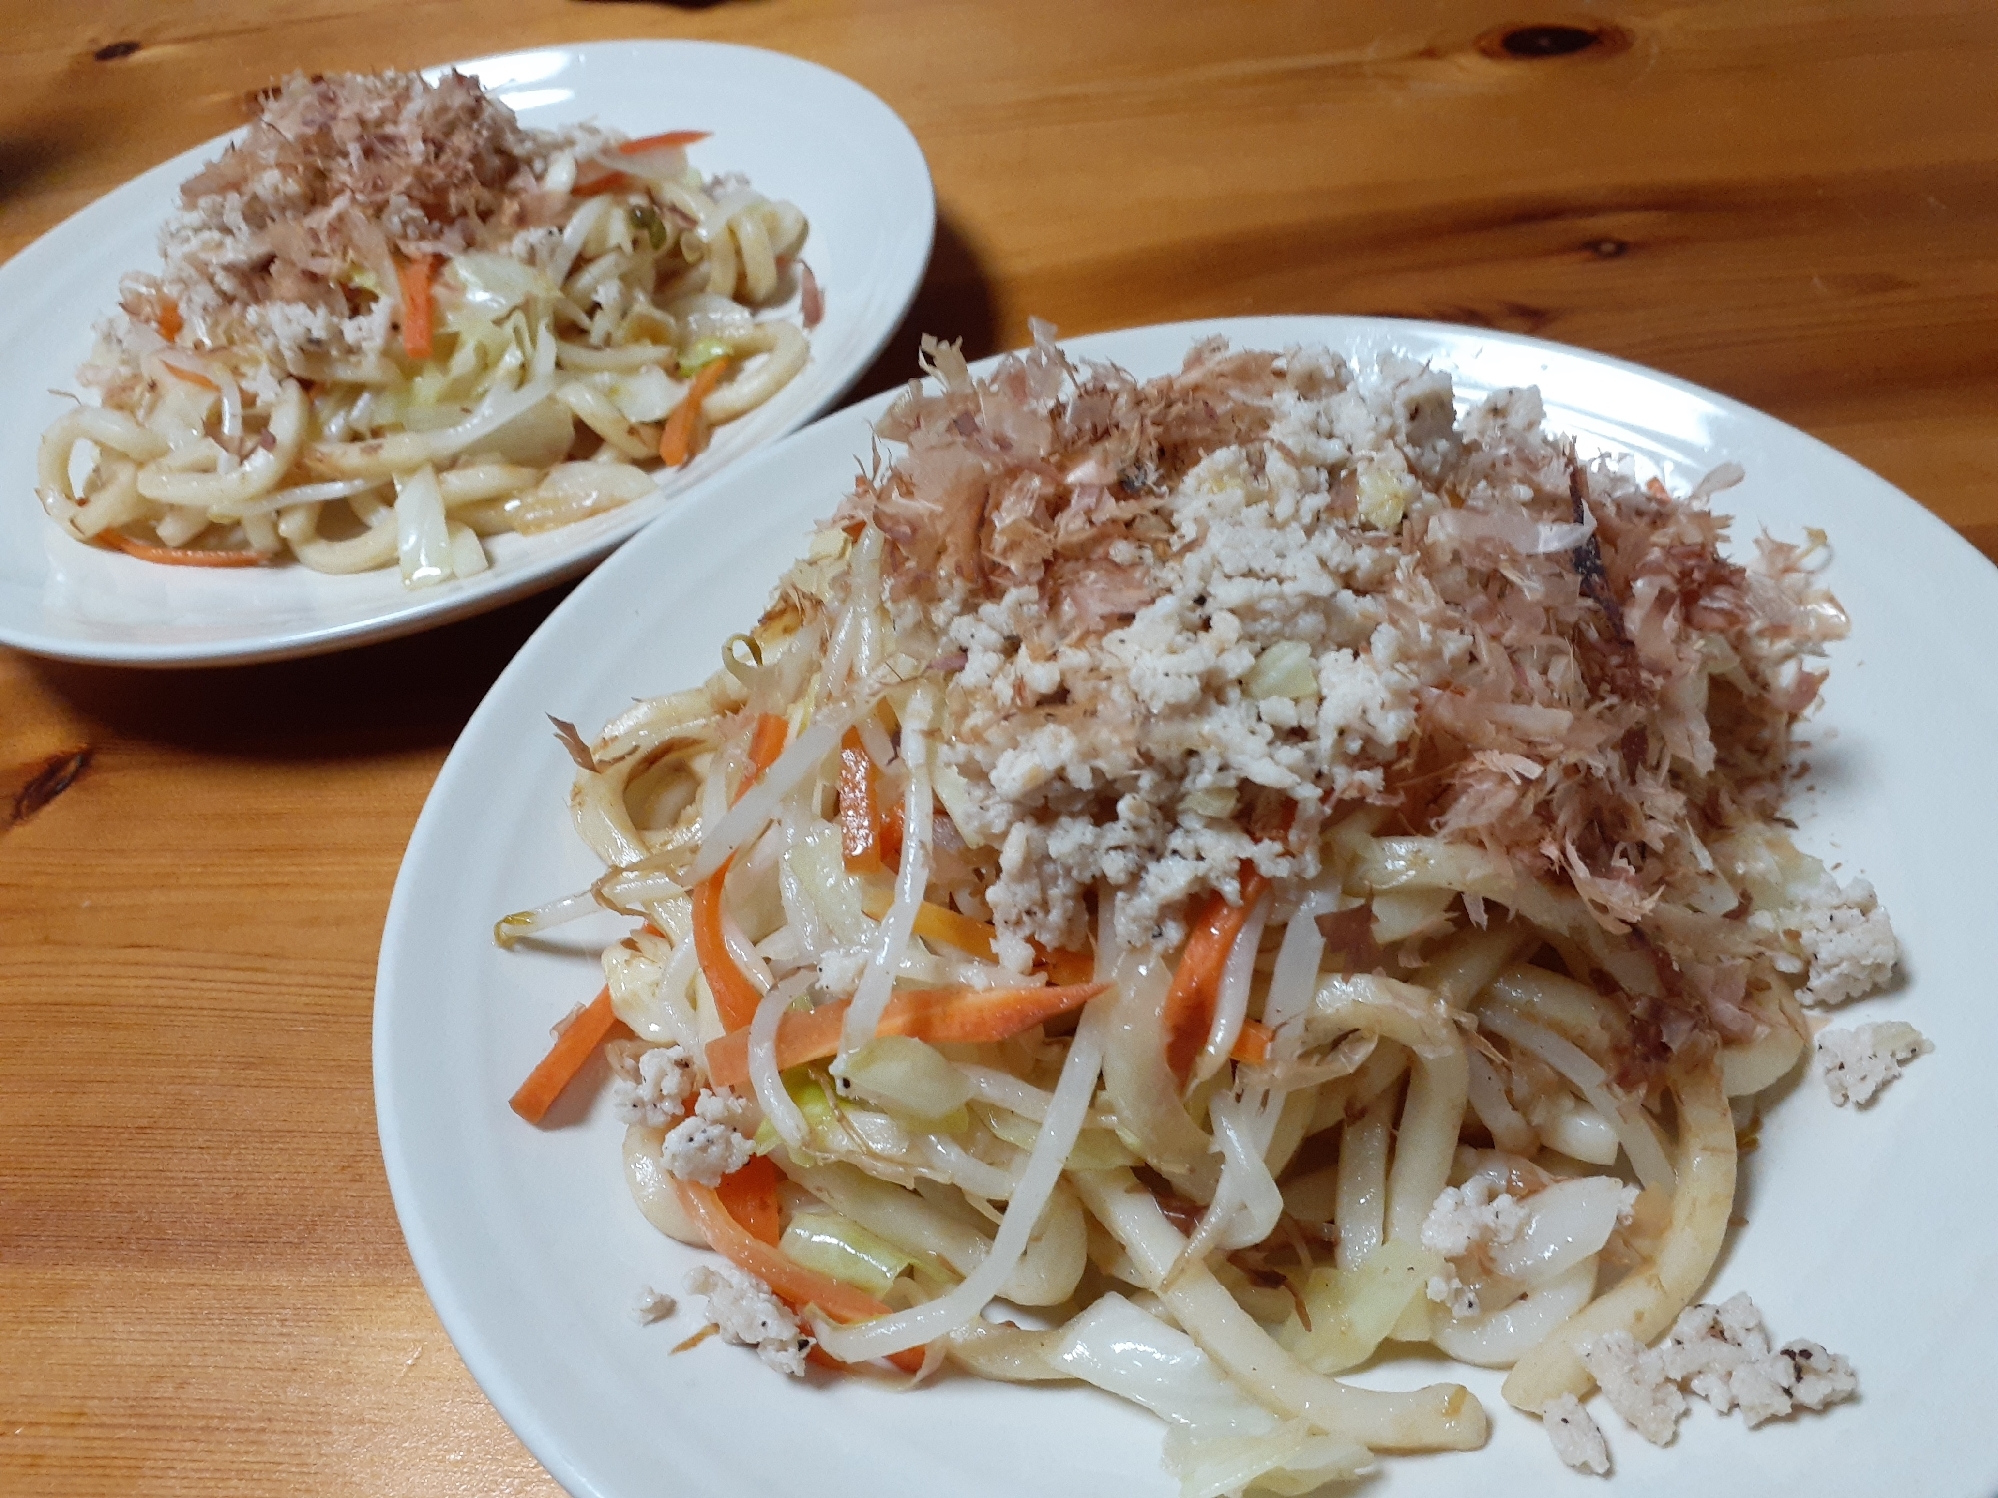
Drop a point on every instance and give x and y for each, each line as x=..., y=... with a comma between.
x=1721, y=1353
x=1857, y=1063
x=1634, y=1381
x=709, y=1144
x=745, y=1312
x=1464, y=1220
x=1577, y=1439
x=652, y=1305
x=653, y=1097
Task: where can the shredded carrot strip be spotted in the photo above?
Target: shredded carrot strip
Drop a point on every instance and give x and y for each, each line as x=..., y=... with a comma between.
x=669, y=138
x=735, y=996
x=1253, y=1044
x=797, y=1285
x=416, y=306
x=180, y=556
x=170, y=323
x=889, y=834
x=859, y=817
x=676, y=438
x=192, y=376
x=1064, y=966
x=1196, y=983
x=765, y=744
x=750, y=1195
x=940, y=923
x=565, y=1058
x=940, y=1015
x=598, y=186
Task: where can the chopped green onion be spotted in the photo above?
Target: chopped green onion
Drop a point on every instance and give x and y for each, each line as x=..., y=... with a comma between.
x=646, y=217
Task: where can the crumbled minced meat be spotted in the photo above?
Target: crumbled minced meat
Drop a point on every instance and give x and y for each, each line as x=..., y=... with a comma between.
x=1721, y=1353
x=1577, y=1439
x=1857, y=1063
x=710, y=1143
x=745, y=1312
x=1464, y=1220
x=652, y=1305
x=664, y=1075
x=1634, y=1381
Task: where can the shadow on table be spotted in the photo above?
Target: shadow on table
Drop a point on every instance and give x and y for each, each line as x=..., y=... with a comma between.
x=954, y=301
x=412, y=693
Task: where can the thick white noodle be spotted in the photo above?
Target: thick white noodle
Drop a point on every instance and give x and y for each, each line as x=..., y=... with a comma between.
x=937, y=1318
x=1360, y=1201
x=785, y=349
x=259, y=473
x=1509, y=1129
x=1438, y=1417
x=1646, y=1300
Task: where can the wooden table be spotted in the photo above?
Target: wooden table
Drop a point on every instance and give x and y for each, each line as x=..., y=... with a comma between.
x=202, y=1286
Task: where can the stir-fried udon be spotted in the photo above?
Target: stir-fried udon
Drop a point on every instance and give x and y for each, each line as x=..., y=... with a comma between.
x=1192, y=884
x=392, y=321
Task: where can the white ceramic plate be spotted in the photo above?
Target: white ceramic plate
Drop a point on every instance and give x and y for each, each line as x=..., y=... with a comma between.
x=1865, y=1231
x=798, y=130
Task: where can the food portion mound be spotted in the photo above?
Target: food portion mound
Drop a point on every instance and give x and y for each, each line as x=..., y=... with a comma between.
x=290, y=238
x=1192, y=621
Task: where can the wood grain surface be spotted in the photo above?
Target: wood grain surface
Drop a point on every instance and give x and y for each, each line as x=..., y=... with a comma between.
x=202, y=1286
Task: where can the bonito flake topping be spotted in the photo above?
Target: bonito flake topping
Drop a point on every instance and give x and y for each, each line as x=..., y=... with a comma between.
x=1190, y=621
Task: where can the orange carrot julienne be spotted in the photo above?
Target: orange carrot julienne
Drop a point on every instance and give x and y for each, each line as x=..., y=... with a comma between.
x=1253, y=1044
x=792, y=1281
x=608, y=182
x=859, y=818
x=656, y=142
x=416, y=309
x=735, y=996
x=192, y=376
x=170, y=322
x=565, y=1058
x=765, y=744
x=180, y=556
x=1196, y=983
x=940, y=1015
x=940, y=923
x=676, y=438
x=1064, y=966
x=750, y=1195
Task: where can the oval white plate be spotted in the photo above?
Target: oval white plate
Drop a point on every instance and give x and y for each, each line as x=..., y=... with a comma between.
x=1864, y=1231
x=798, y=130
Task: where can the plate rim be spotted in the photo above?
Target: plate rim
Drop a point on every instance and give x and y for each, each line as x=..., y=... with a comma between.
x=421, y=613
x=515, y=1405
